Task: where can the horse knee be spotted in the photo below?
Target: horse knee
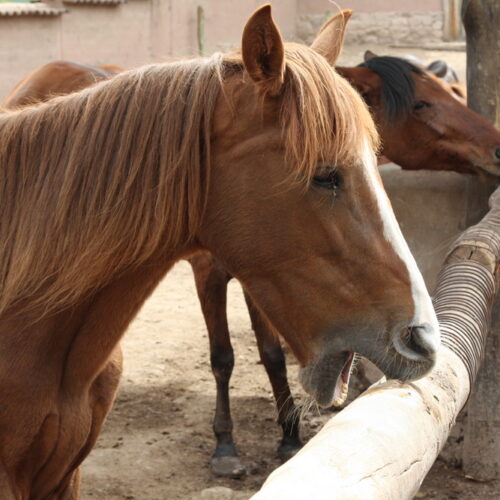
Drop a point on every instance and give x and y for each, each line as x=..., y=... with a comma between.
x=273, y=359
x=222, y=362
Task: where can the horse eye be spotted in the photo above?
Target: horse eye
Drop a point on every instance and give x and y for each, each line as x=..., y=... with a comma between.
x=329, y=180
x=420, y=105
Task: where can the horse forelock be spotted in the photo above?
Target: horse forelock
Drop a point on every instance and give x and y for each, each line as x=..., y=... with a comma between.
x=398, y=85
x=324, y=119
x=98, y=182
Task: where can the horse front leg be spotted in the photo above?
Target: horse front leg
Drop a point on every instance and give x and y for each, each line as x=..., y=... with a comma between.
x=58, y=388
x=72, y=490
x=101, y=397
x=273, y=360
x=211, y=284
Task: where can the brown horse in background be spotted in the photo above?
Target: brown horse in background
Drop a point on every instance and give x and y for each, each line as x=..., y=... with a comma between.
x=265, y=160
x=441, y=69
x=56, y=78
x=421, y=124
x=212, y=277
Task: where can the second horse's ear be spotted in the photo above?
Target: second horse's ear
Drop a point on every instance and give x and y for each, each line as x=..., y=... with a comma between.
x=263, y=51
x=369, y=55
x=362, y=79
x=330, y=39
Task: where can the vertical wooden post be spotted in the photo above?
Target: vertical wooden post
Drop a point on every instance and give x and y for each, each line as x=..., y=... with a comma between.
x=452, y=27
x=481, y=449
x=200, y=29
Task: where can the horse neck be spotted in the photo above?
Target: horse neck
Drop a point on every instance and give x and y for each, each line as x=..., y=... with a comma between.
x=108, y=181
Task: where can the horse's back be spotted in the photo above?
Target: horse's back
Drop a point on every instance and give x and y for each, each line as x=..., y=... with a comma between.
x=56, y=78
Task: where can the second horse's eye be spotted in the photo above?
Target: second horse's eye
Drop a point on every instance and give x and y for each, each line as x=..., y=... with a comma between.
x=420, y=105
x=328, y=180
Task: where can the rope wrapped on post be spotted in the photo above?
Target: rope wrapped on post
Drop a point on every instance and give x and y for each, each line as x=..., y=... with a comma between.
x=383, y=444
x=467, y=285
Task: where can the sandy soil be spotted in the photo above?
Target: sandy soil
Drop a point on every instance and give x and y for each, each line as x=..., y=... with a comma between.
x=157, y=441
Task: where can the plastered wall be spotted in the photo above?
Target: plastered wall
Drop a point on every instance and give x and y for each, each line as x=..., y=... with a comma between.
x=142, y=31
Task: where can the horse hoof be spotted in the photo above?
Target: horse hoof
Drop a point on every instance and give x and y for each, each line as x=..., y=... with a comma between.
x=288, y=450
x=228, y=466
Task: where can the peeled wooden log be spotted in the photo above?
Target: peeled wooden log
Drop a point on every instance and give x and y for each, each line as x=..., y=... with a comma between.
x=383, y=444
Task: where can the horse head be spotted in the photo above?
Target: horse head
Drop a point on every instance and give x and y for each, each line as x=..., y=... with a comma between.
x=421, y=124
x=297, y=212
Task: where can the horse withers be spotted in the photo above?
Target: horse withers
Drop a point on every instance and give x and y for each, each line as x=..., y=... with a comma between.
x=265, y=159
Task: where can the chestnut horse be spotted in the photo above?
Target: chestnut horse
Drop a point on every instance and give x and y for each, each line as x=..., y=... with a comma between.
x=266, y=160
x=211, y=276
x=395, y=96
x=396, y=88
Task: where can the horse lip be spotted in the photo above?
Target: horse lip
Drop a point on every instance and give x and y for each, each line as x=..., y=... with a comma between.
x=398, y=366
x=486, y=170
x=319, y=379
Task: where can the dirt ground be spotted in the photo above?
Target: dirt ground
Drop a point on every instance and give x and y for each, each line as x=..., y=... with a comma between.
x=157, y=441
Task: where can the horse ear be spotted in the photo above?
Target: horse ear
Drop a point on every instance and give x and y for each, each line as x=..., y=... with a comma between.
x=330, y=38
x=263, y=51
x=369, y=55
x=439, y=68
x=357, y=78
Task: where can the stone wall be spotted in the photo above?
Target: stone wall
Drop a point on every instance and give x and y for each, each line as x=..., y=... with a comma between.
x=319, y=6
x=380, y=28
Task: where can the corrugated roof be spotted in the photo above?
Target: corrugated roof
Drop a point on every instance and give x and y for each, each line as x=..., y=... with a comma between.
x=29, y=9
x=95, y=2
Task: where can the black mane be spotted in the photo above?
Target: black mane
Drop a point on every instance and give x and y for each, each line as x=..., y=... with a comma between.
x=398, y=86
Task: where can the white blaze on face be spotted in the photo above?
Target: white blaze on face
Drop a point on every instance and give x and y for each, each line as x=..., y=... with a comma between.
x=424, y=310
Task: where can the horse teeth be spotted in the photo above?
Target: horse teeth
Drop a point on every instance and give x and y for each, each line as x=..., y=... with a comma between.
x=340, y=400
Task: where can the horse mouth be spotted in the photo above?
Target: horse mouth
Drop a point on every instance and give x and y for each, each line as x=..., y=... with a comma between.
x=342, y=384
x=328, y=381
x=488, y=173
x=410, y=355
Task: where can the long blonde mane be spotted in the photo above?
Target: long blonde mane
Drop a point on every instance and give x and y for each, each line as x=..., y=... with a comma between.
x=101, y=181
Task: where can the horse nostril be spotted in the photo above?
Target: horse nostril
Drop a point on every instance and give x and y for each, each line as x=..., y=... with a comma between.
x=418, y=340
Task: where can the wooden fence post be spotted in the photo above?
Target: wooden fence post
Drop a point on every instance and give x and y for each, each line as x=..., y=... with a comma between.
x=481, y=448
